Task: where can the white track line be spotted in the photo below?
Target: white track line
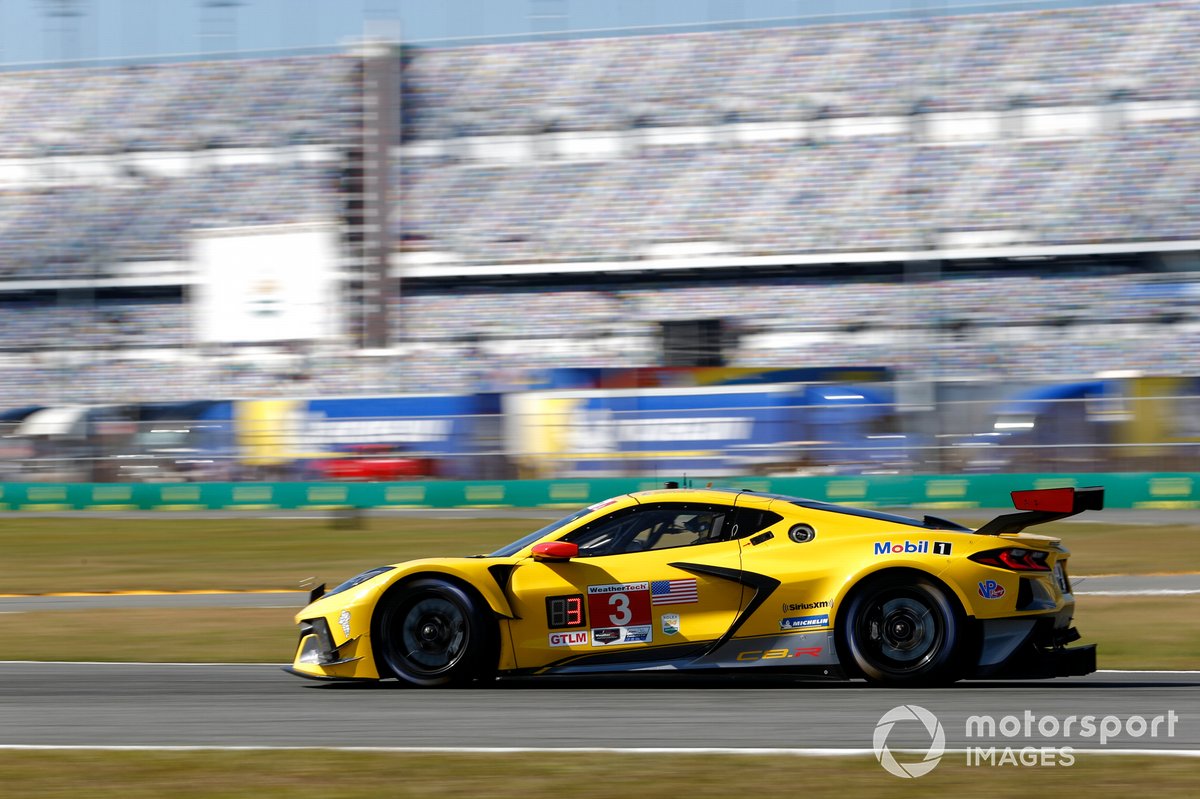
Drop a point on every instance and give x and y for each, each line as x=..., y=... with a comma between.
x=510, y=750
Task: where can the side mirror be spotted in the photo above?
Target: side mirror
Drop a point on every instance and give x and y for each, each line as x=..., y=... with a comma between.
x=555, y=551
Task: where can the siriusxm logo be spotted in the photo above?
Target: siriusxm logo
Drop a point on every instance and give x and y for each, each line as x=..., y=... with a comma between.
x=792, y=606
x=908, y=548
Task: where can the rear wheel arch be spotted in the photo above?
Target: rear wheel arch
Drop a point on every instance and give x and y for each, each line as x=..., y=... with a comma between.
x=861, y=577
x=965, y=633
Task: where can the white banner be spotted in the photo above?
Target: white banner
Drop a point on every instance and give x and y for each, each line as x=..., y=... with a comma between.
x=266, y=284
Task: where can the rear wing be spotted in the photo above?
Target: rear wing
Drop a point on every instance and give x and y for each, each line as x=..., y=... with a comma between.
x=1044, y=505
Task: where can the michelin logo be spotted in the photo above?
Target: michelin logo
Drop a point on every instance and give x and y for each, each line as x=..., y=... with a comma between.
x=803, y=622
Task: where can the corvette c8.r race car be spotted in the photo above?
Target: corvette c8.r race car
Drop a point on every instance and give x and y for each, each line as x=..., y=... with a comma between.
x=719, y=580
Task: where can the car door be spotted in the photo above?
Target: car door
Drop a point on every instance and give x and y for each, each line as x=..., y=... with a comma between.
x=653, y=582
x=791, y=626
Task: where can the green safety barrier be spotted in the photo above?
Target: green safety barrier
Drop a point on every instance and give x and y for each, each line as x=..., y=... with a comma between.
x=1122, y=490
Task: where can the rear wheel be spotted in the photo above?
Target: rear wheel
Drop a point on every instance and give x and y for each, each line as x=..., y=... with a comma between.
x=901, y=630
x=431, y=632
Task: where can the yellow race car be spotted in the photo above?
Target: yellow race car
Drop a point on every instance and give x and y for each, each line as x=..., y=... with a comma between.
x=712, y=579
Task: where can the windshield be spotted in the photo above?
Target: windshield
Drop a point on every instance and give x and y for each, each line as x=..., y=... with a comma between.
x=524, y=541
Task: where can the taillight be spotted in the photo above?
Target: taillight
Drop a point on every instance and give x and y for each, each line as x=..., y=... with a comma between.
x=1014, y=559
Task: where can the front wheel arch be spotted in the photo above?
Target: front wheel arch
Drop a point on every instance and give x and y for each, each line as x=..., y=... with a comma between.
x=485, y=658
x=960, y=648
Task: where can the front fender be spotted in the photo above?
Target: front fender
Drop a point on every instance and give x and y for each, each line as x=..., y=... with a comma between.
x=348, y=615
x=474, y=572
x=486, y=576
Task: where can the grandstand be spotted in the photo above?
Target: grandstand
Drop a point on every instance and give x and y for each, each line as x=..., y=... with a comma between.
x=998, y=196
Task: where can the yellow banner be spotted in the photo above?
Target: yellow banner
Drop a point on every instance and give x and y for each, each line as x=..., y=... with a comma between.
x=265, y=431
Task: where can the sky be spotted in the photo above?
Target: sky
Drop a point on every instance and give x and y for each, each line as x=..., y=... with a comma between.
x=37, y=31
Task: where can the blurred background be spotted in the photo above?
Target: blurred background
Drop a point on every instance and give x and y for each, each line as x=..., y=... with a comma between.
x=542, y=238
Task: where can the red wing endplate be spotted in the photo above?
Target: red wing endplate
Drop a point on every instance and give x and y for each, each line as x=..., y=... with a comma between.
x=1044, y=505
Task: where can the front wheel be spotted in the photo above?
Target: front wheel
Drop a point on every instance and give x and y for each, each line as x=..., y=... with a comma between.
x=904, y=631
x=433, y=633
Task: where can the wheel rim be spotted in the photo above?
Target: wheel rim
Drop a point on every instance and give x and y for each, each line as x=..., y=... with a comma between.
x=433, y=635
x=901, y=631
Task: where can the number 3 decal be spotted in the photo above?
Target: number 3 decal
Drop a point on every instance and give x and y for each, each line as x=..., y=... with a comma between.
x=622, y=615
x=619, y=604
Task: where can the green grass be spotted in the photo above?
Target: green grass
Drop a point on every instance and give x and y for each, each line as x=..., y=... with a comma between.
x=1117, y=549
x=1142, y=632
x=319, y=775
x=89, y=554
x=152, y=635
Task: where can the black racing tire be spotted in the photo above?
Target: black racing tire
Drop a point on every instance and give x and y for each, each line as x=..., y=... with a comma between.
x=432, y=633
x=904, y=630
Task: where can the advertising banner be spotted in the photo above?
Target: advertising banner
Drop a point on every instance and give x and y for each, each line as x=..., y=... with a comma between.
x=447, y=428
x=651, y=431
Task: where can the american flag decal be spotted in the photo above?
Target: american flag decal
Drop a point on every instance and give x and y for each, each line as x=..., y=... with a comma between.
x=674, y=592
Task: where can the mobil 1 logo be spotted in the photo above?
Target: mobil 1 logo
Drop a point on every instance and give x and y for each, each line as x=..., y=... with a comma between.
x=912, y=548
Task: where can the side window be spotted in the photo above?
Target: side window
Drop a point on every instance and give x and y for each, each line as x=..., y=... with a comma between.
x=751, y=521
x=681, y=527
x=658, y=526
x=607, y=536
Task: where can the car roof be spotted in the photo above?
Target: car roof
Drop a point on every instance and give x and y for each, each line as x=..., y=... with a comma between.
x=728, y=495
